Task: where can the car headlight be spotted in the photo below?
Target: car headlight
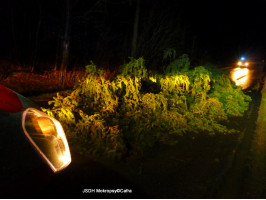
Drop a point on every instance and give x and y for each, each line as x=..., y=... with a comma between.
x=239, y=63
x=48, y=137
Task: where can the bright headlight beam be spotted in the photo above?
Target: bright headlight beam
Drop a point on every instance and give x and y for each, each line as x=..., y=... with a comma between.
x=48, y=137
x=240, y=76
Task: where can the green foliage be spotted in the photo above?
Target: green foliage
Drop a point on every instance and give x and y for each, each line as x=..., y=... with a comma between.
x=99, y=137
x=135, y=68
x=175, y=84
x=234, y=101
x=154, y=102
x=169, y=54
x=181, y=64
x=126, y=116
x=200, y=83
x=128, y=91
x=92, y=69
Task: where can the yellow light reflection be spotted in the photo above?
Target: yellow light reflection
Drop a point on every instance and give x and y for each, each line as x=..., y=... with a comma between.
x=152, y=79
x=46, y=125
x=240, y=76
x=64, y=158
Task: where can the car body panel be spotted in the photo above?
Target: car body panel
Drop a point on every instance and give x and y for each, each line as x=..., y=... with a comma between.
x=19, y=159
x=9, y=101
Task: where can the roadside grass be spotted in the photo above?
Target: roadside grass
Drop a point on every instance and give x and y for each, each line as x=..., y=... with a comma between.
x=259, y=147
x=32, y=84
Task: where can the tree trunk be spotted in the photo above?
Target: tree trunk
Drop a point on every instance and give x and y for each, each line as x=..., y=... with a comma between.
x=135, y=30
x=37, y=38
x=15, y=52
x=65, y=45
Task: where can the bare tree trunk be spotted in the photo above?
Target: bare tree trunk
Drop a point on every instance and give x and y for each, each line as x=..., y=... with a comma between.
x=135, y=30
x=14, y=36
x=37, y=38
x=57, y=58
x=65, y=44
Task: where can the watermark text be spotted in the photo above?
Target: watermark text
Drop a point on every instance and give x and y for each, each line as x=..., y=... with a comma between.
x=107, y=191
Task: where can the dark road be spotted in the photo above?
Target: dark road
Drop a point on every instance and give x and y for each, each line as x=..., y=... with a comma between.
x=71, y=183
x=236, y=182
x=88, y=175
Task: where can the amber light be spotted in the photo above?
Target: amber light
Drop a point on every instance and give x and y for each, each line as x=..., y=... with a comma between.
x=48, y=137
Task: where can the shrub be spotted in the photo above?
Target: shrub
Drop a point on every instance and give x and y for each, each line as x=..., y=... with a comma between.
x=124, y=116
x=176, y=66
x=234, y=101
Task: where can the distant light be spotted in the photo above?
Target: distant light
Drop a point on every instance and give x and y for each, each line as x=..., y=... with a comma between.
x=241, y=76
x=242, y=58
x=239, y=63
x=246, y=63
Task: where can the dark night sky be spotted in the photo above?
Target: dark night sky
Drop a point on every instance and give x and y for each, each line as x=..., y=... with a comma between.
x=220, y=29
x=231, y=28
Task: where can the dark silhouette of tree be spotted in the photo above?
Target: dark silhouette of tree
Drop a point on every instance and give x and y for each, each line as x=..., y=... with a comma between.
x=135, y=30
x=161, y=27
x=55, y=34
x=65, y=42
x=37, y=34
